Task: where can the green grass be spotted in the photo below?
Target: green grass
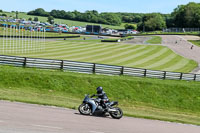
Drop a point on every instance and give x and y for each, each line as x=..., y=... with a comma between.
x=116, y=39
x=62, y=21
x=177, y=101
x=153, y=57
x=195, y=42
x=168, y=33
x=155, y=40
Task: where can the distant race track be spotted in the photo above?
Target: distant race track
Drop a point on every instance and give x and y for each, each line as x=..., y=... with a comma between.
x=140, y=55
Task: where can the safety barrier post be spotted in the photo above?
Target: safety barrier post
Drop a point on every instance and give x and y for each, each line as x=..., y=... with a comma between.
x=145, y=72
x=122, y=71
x=25, y=60
x=181, y=76
x=62, y=65
x=195, y=76
x=164, y=77
x=94, y=68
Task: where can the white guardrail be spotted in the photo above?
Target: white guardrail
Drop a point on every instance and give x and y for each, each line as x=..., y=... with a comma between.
x=94, y=68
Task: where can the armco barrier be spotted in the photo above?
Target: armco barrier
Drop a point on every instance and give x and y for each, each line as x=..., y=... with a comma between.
x=93, y=68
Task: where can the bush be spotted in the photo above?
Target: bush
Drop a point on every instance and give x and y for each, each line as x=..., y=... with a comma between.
x=110, y=40
x=4, y=15
x=35, y=19
x=129, y=26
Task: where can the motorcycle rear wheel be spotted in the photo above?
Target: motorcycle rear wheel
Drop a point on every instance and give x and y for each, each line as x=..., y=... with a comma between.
x=84, y=109
x=118, y=114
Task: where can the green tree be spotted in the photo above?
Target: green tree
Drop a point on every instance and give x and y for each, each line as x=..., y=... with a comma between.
x=69, y=15
x=78, y=15
x=61, y=14
x=137, y=18
x=4, y=14
x=187, y=16
x=35, y=19
x=152, y=22
x=54, y=13
x=128, y=19
x=90, y=16
x=17, y=14
x=50, y=20
x=111, y=19
x=129, y=26
x=38, y=12
x=30, y=19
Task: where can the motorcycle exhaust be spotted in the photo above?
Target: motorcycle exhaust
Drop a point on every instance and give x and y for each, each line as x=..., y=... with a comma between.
x=112, y=110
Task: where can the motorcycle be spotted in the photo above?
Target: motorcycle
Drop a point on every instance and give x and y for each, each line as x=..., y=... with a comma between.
x=91, y=106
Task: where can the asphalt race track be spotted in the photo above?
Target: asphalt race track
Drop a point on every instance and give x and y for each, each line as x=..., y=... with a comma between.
x=28, y=118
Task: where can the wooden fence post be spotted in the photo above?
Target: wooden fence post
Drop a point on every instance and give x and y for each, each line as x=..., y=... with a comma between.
x=94, y=68
x=62, y=65
x=25, y=60
x=164, y=77
x=181, y=76
x=145, y=72
x=122, y=71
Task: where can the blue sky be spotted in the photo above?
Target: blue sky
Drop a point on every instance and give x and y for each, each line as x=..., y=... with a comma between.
x=134, y=6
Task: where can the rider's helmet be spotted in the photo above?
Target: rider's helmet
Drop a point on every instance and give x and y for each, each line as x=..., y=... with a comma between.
x=99, y=89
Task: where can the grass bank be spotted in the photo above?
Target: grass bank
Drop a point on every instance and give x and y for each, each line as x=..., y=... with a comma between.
x=117, y=39
x=177, y=101
x=195, y=42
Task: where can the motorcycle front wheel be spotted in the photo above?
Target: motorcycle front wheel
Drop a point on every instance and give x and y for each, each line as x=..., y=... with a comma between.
x=84, y=109
x=117, y=114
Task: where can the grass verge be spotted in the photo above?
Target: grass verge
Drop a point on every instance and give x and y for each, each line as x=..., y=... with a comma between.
x=176, y=101
x=168, y=33
x=195, y=42
x=155, y=40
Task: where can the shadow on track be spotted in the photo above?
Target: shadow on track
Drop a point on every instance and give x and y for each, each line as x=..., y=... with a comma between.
x=96, y=115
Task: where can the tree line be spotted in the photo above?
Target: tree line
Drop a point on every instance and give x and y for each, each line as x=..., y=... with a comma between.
x=184, y=16
x=88, y=16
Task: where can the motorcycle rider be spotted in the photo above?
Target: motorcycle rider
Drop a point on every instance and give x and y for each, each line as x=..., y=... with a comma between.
x=102, y=95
